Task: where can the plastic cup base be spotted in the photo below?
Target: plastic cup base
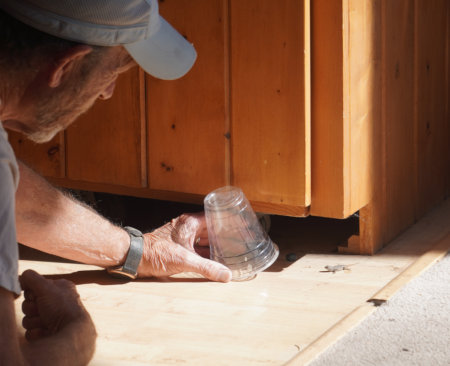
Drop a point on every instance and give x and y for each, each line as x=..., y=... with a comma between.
x=251, y=275
x=243, y=279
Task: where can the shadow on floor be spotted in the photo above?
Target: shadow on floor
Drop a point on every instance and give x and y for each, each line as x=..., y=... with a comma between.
x=294, y=236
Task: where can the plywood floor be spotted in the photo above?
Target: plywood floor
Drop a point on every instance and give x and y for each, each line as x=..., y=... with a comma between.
x=286, y=315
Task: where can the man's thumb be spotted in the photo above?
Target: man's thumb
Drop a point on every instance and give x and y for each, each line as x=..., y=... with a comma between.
x=213, y=271
x=31, y=280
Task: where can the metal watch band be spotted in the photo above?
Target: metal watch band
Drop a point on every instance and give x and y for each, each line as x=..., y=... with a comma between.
x=134, y=256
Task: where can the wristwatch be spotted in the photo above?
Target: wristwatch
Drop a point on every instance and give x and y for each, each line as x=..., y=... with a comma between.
x=128, y=270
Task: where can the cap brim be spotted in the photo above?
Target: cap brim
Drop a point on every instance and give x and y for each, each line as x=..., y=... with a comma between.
x=165, y=55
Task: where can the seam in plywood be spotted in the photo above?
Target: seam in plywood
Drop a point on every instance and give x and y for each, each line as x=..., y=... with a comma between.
x=355, y=317
x=415, y=269
x=332, y=335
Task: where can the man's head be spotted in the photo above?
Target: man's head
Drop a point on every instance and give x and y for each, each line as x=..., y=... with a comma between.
x=70, y=52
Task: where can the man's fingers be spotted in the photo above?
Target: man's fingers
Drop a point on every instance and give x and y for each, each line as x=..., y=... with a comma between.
x=29, y=308
x=28, y=294
x=211, y=270
x=32, y=322
x=31, y=280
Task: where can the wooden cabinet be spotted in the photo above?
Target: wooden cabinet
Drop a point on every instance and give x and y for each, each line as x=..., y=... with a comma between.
x=322, y=107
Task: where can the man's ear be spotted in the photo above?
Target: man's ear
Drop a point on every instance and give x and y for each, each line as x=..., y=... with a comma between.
x=64, y=62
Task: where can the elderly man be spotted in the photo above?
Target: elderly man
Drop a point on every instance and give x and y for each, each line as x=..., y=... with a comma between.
x=56, y=59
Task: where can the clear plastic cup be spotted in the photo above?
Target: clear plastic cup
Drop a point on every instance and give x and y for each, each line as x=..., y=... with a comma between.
x=236, y=237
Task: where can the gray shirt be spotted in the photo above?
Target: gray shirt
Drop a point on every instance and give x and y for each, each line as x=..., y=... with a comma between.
x=9, y=180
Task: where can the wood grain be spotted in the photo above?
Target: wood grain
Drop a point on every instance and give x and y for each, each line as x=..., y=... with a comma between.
x=107, y=144
x=327, y=107
x=343, y=75
x=430, y=101
x=188, y=118
x=270, y=121
x=412, y=144
x=47, y=159
x=398, y=113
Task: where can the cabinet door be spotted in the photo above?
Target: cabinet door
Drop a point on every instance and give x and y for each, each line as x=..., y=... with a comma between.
x=241, y=115
x=188, y=120
x=270, y=103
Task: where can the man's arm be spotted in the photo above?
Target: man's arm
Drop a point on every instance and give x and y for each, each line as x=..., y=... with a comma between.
x=49, y=220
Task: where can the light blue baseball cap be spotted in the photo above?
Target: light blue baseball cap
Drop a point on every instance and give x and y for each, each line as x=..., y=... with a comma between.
x=135, y=24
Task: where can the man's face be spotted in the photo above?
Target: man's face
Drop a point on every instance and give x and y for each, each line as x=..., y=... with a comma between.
x=55, y=109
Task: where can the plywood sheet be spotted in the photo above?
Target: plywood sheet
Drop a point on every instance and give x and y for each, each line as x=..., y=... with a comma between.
x=267, y=321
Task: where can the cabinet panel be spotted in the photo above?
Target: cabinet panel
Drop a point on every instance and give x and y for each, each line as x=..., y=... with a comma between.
x=430, y=102
x=412, y=148
x=188, y=118
x=46, y=159
x=398, y=113
x=344, y=69
x=270, y=122
x=107, y=144
x=327, y=108
x=448, y=96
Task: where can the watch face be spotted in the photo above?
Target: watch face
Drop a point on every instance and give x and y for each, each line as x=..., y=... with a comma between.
x=118, y=272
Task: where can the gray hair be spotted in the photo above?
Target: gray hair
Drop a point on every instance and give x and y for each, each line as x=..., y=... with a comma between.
x=21, y=45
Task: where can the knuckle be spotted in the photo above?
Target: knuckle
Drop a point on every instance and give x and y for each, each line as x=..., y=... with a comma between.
x=25, y=322
x=187, y=221
x=26, y=307
x=183, y=218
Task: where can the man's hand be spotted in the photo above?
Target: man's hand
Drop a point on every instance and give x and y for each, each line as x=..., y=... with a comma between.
x=48, y=220
x=173, y=249
x=55, y=319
